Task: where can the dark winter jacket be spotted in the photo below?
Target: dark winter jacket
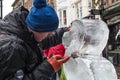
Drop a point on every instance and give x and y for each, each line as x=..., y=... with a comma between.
x=20, y=55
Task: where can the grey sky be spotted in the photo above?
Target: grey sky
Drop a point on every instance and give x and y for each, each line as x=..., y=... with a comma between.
x=7, y=6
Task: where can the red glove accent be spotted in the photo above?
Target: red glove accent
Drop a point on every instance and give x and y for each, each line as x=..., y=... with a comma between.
x=56, y=61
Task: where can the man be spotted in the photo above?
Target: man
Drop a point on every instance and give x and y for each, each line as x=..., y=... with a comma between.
x=20, y=55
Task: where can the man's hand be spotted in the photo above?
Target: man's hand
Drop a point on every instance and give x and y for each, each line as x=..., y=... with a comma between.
x=68, y=28
x=56, y=61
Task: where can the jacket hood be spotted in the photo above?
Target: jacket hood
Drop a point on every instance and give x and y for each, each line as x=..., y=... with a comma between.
x=14, y=24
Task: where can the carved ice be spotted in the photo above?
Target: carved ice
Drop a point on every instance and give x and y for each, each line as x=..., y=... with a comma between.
x=86, y=40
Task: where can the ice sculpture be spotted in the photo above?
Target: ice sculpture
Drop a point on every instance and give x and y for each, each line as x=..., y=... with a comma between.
x=86, y=41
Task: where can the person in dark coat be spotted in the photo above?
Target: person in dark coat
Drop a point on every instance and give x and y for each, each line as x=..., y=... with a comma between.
x=21, y=56
x=59, y=49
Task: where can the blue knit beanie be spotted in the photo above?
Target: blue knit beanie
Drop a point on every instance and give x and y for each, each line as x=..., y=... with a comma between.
x=42, y=17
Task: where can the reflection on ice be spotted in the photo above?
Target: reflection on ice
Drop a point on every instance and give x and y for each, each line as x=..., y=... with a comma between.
x=75, y=37
x=96, y=37
x=85, y=43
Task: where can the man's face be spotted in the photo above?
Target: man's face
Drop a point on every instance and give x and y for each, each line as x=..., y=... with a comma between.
x=39, y=36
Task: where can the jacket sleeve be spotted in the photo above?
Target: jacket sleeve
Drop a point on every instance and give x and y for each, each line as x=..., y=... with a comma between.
x=57, y=50
x=42, y=72
x=16, y=58
x=53, y=40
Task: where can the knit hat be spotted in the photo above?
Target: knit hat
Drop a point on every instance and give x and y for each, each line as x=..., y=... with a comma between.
x=42, y=17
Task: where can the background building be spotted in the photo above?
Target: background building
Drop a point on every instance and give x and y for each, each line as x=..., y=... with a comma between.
x=52, y=3
x=28, y=3
x=69, y=10
x=111, y=15
x=17, y=3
